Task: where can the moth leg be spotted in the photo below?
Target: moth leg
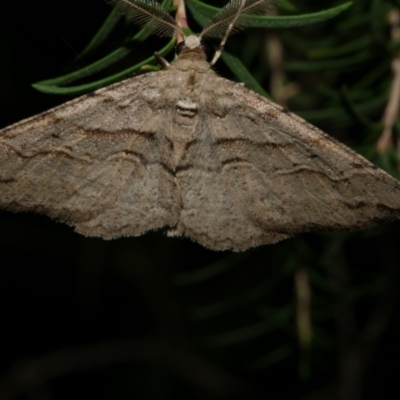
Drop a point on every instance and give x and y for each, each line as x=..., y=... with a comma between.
x=161, y=60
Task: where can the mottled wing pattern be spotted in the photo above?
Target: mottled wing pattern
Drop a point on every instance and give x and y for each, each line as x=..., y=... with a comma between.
x=97, y=163
x=257, y=174
x=210, y=212
x=287, y=176
x=198, y=154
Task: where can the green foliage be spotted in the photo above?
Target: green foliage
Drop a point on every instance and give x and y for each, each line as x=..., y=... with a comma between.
x=201, y=13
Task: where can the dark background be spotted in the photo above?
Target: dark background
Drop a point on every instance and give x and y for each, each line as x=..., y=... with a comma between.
x=157, y=318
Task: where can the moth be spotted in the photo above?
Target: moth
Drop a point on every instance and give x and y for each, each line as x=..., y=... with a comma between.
x=190, y=152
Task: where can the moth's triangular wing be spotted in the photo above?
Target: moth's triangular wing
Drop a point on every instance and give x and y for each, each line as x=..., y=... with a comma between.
x=97, y=163
x=269, y=174
x=299, y=178
x=231, y=171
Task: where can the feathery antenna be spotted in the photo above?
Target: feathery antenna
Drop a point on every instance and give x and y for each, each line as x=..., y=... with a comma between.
x=150, y=15
x=232, y=18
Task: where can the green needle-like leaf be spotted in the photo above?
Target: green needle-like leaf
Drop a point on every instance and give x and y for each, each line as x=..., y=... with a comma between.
x=242, y=73
x=203, y=12
x=49, y=87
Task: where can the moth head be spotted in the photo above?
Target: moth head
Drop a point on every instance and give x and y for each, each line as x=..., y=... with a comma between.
x=192, y=42
x=192, y=47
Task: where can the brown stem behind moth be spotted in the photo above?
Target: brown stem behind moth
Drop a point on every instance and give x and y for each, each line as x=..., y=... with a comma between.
x=392, y=107
x=180, y=18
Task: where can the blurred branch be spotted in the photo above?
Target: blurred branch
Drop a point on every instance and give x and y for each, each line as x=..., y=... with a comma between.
x=38, y=371
x=392, y=107
x=180, y=17
x=303, y=317
x=280, y=91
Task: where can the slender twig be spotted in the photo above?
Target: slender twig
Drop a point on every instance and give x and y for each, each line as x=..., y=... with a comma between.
x=392, y=107
x=303, y=294
x=209, y=378
x=180, y=18
x=280, y=91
